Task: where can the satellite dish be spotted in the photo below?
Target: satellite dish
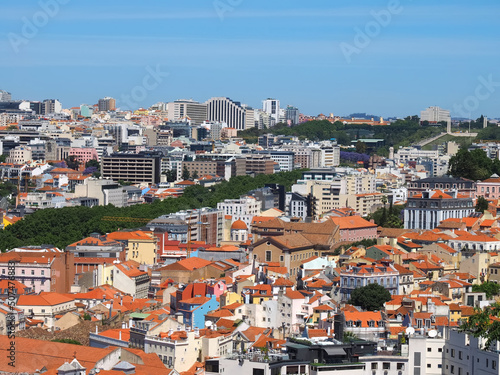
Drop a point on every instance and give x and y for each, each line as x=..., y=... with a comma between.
x=208, y=324
x=410, y=331
x=432, y=333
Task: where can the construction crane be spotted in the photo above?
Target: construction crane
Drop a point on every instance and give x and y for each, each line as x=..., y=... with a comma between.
x=26, y=178
x=190, y=226
x=126, y=219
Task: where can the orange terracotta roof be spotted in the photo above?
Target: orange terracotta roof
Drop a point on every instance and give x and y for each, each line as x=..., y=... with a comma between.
x=43, y=299
x=352, y=222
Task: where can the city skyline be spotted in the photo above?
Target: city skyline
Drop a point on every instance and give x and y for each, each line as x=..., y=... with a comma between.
x=387, y=58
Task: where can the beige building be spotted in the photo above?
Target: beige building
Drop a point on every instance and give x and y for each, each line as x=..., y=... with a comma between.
x=106, y=191
x=355, y=191
x=45, y=306
x=19, y=155
x=140, y=246
x=478, y=265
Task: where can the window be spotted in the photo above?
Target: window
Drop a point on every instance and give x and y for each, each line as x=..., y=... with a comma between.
x=428, y=365
x=43, y=272
x=429, y=349
x=32, y=272
x=22, y=272
x=416, y=358
x=386, y=365
x=459, y=354
x=282, y=258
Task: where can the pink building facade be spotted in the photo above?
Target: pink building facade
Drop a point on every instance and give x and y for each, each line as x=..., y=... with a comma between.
x=84, y=154
x=489, y=188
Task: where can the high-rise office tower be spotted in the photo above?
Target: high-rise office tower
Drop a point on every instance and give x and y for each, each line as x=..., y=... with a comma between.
x=272, y=107
x=180, y=109
x=106, y=104
x=234, y=114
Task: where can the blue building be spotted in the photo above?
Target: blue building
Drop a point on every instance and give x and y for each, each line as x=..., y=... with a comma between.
x=194, y=309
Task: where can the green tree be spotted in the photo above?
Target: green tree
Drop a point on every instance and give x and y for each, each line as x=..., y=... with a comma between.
x=92, y=163
x=360, y=147
x=185, y=173
x=490, y=288
x=371, y=297
x=171, y=175
x=72, y=162
x=473, y=165
x=482, y=204
x=195, y=175
x=87, y=316
x=481, y=324
x=387, y=218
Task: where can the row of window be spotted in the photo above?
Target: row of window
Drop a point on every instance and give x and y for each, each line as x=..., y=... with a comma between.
x=23, y=272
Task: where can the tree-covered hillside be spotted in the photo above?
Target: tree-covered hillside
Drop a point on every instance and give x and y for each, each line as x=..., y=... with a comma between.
x=63, y=226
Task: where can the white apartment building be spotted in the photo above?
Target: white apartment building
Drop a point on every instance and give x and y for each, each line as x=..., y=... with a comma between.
x=285, y=159
x=243, y=209
x=272, y=108
x=463, y=355
x=426, y=355
x=330, y=156
x=435, y=115
x=427, y=210
x=439, y=162
x=180, y=109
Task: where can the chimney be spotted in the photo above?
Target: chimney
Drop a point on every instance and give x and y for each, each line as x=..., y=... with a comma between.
x=119, y=335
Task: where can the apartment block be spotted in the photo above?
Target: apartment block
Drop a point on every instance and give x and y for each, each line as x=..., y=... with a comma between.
x=135, y=168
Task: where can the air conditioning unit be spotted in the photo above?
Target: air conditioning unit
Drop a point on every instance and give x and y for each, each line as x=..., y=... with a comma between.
x=315, y=360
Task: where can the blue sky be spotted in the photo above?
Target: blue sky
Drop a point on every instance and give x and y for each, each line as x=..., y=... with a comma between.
x=307, y=54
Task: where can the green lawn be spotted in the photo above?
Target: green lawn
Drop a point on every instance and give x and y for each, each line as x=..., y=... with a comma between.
x=462, y=141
